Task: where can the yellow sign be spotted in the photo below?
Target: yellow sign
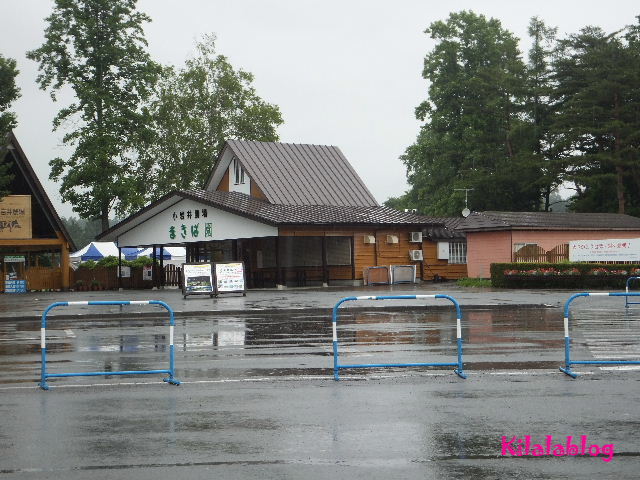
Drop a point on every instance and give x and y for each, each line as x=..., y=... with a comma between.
x=15, y=217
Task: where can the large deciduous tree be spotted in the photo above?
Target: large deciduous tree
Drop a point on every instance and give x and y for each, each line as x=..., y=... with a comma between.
x=9, y=92
x=473, y=135
x=197, y=108
x=97, y=49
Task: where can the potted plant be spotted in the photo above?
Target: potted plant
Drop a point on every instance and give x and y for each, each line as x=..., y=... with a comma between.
x=78, y=285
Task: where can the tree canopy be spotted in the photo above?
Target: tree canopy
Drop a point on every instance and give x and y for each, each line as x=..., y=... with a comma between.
x=98, y=49
x=195, y=109
x=515, y=131
x=9, y=92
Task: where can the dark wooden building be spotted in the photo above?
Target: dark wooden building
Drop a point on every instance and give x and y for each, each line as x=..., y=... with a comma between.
x=34, y=244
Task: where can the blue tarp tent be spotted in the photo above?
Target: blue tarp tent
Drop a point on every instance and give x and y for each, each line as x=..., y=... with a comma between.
x=169, y=253
x=97, y=251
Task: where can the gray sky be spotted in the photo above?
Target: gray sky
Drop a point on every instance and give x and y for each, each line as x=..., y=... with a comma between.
x=343, y=72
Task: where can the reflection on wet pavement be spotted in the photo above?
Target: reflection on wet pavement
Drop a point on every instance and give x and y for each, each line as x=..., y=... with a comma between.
x=253, y=346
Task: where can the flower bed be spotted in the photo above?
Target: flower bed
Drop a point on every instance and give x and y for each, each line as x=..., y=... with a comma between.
x=563, y=275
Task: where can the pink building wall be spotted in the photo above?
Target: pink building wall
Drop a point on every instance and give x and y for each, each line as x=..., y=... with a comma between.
x=485, y=248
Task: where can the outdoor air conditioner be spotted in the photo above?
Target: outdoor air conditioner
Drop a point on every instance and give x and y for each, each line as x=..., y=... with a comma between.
x=416, y=237
x=392, y=239
x=416, y=255
x=369, y=239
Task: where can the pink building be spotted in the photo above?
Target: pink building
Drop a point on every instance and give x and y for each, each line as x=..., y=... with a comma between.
x=499, y=237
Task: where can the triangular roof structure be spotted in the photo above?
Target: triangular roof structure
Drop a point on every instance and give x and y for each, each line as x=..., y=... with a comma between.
x=295, y=174
x=25, y=182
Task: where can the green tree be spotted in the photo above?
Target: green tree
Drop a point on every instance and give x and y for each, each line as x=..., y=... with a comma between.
x=598, y=119
x=98, y=49
x=82, y=231
x=197, y=108
x=539, y=109
x=9, y=92
x=474, y=135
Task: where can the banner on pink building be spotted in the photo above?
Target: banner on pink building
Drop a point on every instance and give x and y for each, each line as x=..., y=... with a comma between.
x=609, y=250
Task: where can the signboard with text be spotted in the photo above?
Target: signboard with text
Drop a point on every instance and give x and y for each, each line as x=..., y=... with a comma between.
x=197, y=279
x=609, y=250
x=15, y=217
x=189, y=225
x=230, y=277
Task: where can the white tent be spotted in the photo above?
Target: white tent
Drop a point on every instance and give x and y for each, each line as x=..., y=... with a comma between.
x=94, y=251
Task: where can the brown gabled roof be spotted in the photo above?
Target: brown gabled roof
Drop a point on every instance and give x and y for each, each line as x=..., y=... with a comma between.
x=276, y=215
x=492, y=221
x=39, y=192
x=266, y=212
x=300, y=174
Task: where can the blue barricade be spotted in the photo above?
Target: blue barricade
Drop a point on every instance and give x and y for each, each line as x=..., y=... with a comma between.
x=626, y=299
x=43, y=344
x=336, y=364
x=567, y=339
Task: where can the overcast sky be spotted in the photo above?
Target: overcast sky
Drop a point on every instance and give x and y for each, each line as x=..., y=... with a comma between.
x=343, y=72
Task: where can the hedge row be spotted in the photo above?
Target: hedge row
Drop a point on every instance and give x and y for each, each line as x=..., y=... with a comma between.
x=112, y=261
x=562, y=275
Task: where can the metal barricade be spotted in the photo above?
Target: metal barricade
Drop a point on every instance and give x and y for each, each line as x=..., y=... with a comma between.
x=626, y=298
x=336, y=365
x=567, y=339
x=43, y=345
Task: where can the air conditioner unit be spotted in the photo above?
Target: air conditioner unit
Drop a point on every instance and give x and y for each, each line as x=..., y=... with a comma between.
x=416, y=237
x=392, y=239
x=369, y=239
x=416, y=255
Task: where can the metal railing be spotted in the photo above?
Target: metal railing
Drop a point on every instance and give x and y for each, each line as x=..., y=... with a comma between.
x=567, y=338
x=43, y=344
x=336, y=363
x=626, y=298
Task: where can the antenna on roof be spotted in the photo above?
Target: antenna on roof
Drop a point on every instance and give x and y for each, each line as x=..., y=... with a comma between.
x=465, y=211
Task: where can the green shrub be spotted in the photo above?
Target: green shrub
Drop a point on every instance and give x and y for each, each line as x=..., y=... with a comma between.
x=569, y=275
x=142, y=262
x=90, y=264
x=111, y=261
x=474, y=282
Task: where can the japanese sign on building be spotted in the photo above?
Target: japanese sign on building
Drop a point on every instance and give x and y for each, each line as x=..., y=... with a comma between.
x=190, y=225
x=15, y=217
x=610, y=250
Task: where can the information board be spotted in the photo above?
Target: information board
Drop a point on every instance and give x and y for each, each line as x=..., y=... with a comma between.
x=15, y=286
x=230, y=277
x=15, y=217
x=197, y=279
x=609, y=250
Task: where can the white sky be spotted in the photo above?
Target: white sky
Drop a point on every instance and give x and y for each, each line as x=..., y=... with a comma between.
x=343, y=72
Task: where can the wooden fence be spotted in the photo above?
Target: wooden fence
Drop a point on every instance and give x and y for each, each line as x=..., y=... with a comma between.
x=536, y=254
x=106, y=278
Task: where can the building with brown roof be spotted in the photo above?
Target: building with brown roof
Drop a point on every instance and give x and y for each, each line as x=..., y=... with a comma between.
x=294, y=214
x=34, y=243
x=498, y=237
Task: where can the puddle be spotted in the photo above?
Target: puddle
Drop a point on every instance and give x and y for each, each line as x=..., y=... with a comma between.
x=275, y=346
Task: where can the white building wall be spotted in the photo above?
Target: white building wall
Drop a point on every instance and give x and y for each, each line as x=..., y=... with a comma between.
x=188, y=221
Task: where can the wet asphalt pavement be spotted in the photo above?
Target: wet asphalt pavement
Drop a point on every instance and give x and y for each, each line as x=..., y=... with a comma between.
x=258, y=399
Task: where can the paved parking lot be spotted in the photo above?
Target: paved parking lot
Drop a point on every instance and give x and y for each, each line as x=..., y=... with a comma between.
x=258, y=399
